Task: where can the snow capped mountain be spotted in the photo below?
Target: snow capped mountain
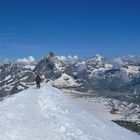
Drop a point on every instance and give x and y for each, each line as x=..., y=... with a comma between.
x=129, y=64
x=97, y=65
x=40, y=114
x=12, y=78
x=65, y=80
x=50, y=66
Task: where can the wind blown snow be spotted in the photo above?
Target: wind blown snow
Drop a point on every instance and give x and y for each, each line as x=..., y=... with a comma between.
x=47, y=114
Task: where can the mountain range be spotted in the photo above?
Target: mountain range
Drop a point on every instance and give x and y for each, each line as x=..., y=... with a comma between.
x=117, y=78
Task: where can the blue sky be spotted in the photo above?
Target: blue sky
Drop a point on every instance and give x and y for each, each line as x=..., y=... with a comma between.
x=76, y=27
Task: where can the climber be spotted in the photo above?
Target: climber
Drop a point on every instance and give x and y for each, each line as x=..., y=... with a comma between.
x=38, y=80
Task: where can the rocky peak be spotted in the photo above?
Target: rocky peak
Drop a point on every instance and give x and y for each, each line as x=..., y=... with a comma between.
x=49, y=66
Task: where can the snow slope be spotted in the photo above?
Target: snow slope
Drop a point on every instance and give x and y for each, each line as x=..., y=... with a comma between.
x=46, y=114
x=64, y=81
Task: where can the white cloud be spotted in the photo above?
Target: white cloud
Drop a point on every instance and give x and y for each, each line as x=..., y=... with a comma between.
x=119, y=61
x=68, y=59
x=62, y=58
x=26, y=61
x=4, y=61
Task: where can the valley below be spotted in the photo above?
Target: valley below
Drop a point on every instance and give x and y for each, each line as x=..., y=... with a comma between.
x=125, y=114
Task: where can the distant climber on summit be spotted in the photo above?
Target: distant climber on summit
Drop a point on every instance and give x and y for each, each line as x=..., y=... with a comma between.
x=38, y=80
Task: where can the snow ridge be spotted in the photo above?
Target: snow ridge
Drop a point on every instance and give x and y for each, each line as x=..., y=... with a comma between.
x=40, y=114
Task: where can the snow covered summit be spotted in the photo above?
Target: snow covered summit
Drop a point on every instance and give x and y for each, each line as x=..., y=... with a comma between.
x=46, y=114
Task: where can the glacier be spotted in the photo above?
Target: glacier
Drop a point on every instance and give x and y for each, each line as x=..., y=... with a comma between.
x=47, y=114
